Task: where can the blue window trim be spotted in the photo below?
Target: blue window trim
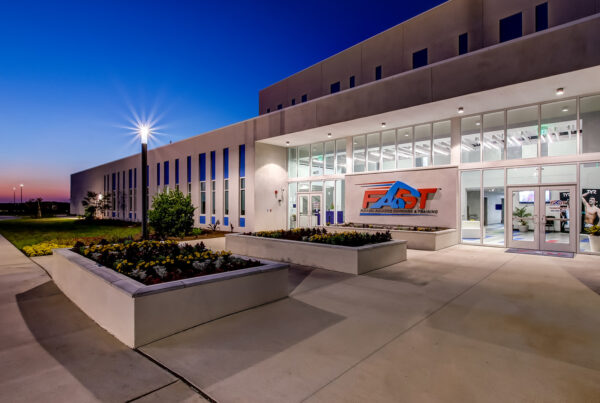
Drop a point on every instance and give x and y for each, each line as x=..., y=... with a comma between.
x=158, y=174
x=213, y=165
x=189, y=168
x=166, y=178
x=202, y=166
x=242, y=160
x=177, y=171
x=226, y=163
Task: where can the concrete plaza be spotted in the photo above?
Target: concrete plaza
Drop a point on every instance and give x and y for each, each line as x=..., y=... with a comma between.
x=462, y=324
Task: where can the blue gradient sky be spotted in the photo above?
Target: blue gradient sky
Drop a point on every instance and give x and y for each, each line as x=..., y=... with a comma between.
x=71, y=70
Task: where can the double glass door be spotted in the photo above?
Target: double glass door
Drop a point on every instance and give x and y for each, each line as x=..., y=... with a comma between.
x=309, y=209
x=542, y=218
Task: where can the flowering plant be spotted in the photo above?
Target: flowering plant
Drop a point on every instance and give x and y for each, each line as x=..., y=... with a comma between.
x=153, y=262
x=319, y=235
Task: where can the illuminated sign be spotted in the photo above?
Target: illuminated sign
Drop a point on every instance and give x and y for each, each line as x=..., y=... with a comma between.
x=395, y=198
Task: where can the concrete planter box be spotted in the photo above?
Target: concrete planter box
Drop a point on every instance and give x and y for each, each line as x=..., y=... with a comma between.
x=423, y=240
x=347, y=259
x=138, y=314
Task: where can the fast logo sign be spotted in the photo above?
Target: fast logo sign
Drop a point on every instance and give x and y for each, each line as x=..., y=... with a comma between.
x=396, y=198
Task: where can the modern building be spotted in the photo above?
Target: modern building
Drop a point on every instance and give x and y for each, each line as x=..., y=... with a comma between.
x=479, y=115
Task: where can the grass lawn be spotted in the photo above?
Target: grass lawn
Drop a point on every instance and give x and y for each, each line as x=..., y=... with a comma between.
x=29, y=231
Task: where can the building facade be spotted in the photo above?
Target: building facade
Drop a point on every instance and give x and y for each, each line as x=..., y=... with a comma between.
x=479, y=115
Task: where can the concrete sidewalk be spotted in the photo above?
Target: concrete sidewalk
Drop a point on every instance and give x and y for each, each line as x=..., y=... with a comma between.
x=50, y=351
x=468, y=324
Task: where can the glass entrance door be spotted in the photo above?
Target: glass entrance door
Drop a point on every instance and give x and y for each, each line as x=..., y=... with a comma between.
x=540, y=217
x=309, y=210
x=315, y=204
x=304, y=212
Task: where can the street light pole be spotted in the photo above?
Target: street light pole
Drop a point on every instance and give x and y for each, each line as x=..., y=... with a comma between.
x=14, y=196
x=22, y=193
x=144, y=132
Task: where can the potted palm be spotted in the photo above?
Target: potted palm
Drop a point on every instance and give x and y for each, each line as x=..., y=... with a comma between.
x=521, y=213
x=594, y=237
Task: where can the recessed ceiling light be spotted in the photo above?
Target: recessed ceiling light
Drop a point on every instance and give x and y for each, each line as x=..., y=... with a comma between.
x=383, y=124
x=287, y=143
x=560, y=91
x=565, y=109
x=328, y=134
x=478, y=123
x=406, y=135
x=461, y=110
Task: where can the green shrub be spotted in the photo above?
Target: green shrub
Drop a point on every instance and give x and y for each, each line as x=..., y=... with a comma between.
x=172, y=214
x=320, y=235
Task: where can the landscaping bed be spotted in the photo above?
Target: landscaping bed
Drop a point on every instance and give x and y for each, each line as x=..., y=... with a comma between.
x=349, y=252
x=423, y=238
x=154, y=289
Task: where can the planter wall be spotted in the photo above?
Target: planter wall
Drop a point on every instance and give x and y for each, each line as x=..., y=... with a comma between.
x=353, y=260
x=415, y=239
x=138, y=314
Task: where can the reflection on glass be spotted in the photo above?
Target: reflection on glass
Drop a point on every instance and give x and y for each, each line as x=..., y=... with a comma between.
x=340, y=156
x=303, y=186
x=422, y=145
x=441, y=143
x=470, y=205
x=589, y=180
x=589, y=115
x=315, y=205
x=522, y=129
x=292, y=208
x=559, y=173
x=493, y=205
x=470, y=140
x=523, y=202
x=388, y=149
x=329, y=202
x=329, y=157
x=373, y=152
x=340, y=195
x=559, y=128
x=303, y=161
x=358, y=153
x=317, y=159
x=303, y=216
x=493, y=136
x=556, y=219
x=404, y=150
x=292, y=162
x=522, y=176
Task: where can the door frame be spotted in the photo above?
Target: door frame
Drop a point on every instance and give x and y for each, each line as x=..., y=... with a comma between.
x=311, y=216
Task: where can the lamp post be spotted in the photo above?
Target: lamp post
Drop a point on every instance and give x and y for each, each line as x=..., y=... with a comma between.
x=22, y=193
x=14, y=196
x=144, y=133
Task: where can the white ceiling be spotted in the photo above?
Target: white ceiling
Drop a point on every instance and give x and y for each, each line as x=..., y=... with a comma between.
x=579, y=82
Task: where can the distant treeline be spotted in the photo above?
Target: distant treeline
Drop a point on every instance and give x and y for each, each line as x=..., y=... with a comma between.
x=33, y=207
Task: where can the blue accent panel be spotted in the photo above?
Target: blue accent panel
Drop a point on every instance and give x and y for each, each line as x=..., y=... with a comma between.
x=226, y=163
x=212, y=220
x=329, y=217
x=177, y=171
x=130, y=179
x=319, y=218
x=242, y=160
x=114, y=181
x=135, y=178
x=202, y=167
x=113, y=214
x=130, y=216
x=166, y=173
x=202, y=219
x=213, y=165
x=242, y=222
x=189, y=168
x=226, y=221
x=340, y=217
x=158, y=174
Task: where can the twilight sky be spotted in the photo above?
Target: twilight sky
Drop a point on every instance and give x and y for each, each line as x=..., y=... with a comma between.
x=71, y=72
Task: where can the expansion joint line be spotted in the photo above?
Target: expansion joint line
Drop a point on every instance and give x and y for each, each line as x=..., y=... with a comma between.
x=394, y=338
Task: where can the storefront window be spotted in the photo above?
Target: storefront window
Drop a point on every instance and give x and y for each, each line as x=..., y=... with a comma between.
x=441, y=143
x=422, y=145
x=388, y=149
x=559, y=174
x=589, y=178
x=340, y=194
x=522, y=129
x=292, y=199
x=404, y=148
x=358, y=153
x=329, y=202
x=303, y=186
x=303, y=161
x=558, y=132
x=340, y=156
x=316, y=186
x=470, y=184
x=329, y=157
x=317, y=159
x=292, y=162
x=493, y=136
x=493, y=207
x=522, y=176
x=589, y=115
x=373, y=152
x=470, y=139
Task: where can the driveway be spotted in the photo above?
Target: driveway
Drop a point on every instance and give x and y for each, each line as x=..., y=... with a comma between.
x=468, y=324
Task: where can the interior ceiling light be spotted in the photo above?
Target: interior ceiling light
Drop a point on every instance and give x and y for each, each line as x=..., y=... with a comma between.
x=565, y=109
x=560, y=91
x=287, y=143
x=478, y=123
x=461, y=110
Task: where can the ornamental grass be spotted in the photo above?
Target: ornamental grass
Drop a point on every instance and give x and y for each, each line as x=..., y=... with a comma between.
x=153, y=262
x=320, y=235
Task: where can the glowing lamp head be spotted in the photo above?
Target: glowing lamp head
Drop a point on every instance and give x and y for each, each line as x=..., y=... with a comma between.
x=144, y=133
x=22, y=185
x=100, y=196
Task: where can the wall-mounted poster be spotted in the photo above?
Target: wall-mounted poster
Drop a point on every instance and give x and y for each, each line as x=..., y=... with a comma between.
x=590, y=199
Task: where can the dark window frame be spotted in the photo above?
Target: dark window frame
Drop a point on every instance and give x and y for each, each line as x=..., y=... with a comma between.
x=510, y=27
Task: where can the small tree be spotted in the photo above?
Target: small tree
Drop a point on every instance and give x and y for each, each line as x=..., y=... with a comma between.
x=95, y=205
x=172, y=214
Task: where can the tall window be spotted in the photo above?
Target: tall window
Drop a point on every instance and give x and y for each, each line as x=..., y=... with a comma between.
x=358, y=153
x=335, y=87
x=177, y=173
x=166, y=180
x=112, y=195
x=304, y=98
x=522, y=132
x=404, y=150
x=226, y=186
x=463, y=43
x=373, y=152
x=130, y=198
x=352, y=82
x=134, y=189
x=378, y=73
x=441, y=143
x=189, y=175
x=420, y=58
x=511, y=27
x=423, y=145
x=470, y=139
x=589, y=116
x=157, y=174
x=242, y=174
x=213, y=185
x=388, y=149
x=340, y=155
x=541, y=17
x=493, y=136
x=559, y=128
x=202, y=176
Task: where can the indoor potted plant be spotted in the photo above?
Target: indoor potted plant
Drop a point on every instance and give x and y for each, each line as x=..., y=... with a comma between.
x=594, y=237
x=521, y=213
